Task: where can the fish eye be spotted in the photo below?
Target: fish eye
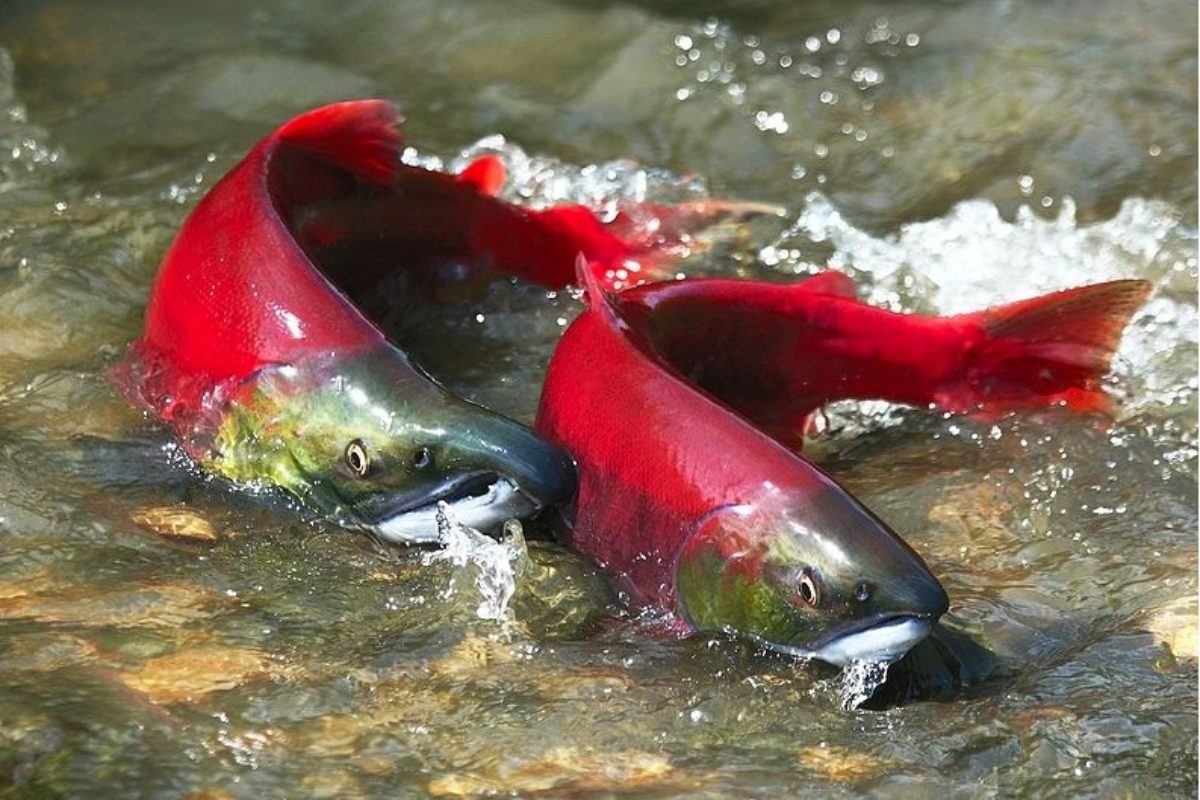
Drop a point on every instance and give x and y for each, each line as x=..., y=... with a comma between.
x=357, y=459
x=807, y=587
x=422, y=458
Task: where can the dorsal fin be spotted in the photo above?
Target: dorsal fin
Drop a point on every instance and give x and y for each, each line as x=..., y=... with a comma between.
x=487, y=174
x=828, y=282
x=359, y=136
x=598, y=297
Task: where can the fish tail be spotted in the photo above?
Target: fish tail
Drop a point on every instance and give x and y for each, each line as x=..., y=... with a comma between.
x=642, y=243
x=358, y=135
x=1048, y=350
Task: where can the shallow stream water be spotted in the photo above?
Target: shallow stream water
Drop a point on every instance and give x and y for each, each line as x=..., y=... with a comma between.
x=164, y=635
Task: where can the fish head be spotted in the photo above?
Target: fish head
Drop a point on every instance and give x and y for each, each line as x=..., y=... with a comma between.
x=812, y=574
x=374, y=443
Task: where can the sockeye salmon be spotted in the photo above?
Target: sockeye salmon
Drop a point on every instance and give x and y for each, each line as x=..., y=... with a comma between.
x=270, y=374
x=677, y=399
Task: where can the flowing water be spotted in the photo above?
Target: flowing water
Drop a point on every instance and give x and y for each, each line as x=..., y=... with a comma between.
x=163, y=635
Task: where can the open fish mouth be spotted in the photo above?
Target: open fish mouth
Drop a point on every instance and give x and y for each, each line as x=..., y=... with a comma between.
x=483, y=501
x=885, y=638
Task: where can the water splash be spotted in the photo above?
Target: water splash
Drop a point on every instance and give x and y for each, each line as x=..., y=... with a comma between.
x=859, y=681
x=541, y=181
x=972, y=258
x=489, y=566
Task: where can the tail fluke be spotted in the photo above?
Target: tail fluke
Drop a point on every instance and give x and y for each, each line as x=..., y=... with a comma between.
x=642, y=243
x=1049, y=350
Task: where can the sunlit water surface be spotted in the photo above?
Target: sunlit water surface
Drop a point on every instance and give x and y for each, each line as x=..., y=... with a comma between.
x=946, y=155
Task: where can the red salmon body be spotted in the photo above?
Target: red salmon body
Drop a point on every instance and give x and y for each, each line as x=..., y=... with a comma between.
x=261, y=271
x=257, y=354
x=676, y=400
x=778, y=352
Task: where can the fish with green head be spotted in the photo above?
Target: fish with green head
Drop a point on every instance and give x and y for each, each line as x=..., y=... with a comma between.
x=259, y=353
x=375, y=445
x=695, y=512
x=807, y=573
x=683, y=402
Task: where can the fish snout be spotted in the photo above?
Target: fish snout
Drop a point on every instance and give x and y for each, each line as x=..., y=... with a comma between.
x=540, y=470
x=892, y=579
x=924, y=595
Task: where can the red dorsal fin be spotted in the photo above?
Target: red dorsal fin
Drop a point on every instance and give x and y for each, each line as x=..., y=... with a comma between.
x=1050, y=349
x=487, y=174
x=359, y=136
x=829, y=282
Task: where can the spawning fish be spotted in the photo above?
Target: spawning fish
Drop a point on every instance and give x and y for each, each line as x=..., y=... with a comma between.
x=255, y=354
x=697, y=511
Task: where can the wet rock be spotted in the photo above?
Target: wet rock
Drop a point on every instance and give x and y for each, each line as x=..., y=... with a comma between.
x=175, y=522
x=209, y=794
x=33, y=582
x=840, y=764
x=332, y=783
x=565, y=769
x=472, y=657
x=265, y=86
x=584, y=685
x=26, y=743
x=189, y=675
x=976, y=515
x=1174, y=624
x=45, y=652
x=560, y=594
x=165, y=605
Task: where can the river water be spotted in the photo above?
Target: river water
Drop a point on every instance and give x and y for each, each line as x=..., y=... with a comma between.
x=163, y=635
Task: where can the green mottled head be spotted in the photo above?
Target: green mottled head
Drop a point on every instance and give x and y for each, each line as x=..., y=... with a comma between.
x=374, y=443
x=812, y=574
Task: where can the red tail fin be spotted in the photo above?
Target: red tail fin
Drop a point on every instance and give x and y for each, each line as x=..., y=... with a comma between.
x=1047, y=350
x=359, y=135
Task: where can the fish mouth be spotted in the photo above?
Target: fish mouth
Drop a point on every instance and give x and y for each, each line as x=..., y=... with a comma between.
x=883, y=637
x=481, y=500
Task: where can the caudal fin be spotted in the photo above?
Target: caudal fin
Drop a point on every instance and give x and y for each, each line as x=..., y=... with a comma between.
x=642, y=243
x=1048, y=350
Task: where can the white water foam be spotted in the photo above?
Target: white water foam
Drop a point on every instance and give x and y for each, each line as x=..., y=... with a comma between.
x=859, y=680
x=972, y=258
x=487, y=566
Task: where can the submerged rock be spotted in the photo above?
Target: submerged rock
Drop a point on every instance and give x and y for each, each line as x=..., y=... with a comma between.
x=174, y=522
x=191, y=674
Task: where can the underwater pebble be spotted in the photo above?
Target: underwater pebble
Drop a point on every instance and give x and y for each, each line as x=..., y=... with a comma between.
x=331, y=783
x=189, y=675
x=336, y=735
x=174, y=522
x=209, y=794
x=45, y=653
x=974, y=514
x=33, y=582
x=165, y=605
x=471, y=656
x=563, y=769
x=586, y=685
x=839, y=764
x=1174, y=625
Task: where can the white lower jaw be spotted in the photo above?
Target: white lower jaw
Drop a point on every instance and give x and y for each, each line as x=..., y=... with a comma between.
x=888, y=642
x=501, y=502
x=885, y=643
